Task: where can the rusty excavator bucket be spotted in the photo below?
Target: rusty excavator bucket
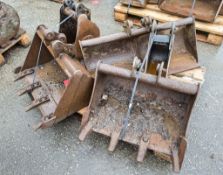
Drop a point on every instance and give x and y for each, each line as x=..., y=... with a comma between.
x=69, y=28
x=140, y=106
x=78, y=27
x=204, y=10
x=58, y=83
x=159, y=116
x=174, y=44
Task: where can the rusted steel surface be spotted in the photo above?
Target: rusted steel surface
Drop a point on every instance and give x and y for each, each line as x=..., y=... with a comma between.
x=136, y=3
x=76, y=25
x=61, y=87
x=221, y=12
x=139, y=3
x=85, y=30
x=49, y=35
x=204, y=10
x=9, y=24
x=120, y=49
x=160, y=115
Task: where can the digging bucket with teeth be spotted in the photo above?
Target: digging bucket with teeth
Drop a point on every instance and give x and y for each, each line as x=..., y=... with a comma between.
x=59, y=84
x=154, y=113
x=204, y=10
x=57, y=79
x=159, y=117
x=174, y=44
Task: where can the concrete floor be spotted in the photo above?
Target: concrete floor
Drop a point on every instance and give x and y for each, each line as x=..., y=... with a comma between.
x=58, y=151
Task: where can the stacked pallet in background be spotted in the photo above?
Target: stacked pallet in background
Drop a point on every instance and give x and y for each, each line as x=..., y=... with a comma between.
x=21, y=38
x=58, y=1
x=206, y=32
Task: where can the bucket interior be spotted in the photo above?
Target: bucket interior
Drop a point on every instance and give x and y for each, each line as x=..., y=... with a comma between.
x=184, y=54
x=120, y=51
x=156, y=110
x=51, y=77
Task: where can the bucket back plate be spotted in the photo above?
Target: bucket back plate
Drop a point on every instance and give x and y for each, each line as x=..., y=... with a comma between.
x=204, y=10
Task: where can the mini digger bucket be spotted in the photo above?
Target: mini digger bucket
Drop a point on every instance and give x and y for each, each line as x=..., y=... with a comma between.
x=76, y=25
x=58, y=84
x=204, y=10
x=174, y=44
x=159, y=117
x=69, y=28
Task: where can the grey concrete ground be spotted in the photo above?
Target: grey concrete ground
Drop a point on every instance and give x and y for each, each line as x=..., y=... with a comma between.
x=58, y=151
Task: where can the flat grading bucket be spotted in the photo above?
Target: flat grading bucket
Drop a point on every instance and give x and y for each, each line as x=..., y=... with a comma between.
x=58, y=84
x=159, y=117
x=204, y=10
x=176, y=46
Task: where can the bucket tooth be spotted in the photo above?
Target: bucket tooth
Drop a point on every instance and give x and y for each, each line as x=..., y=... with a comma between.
x=24, y=73
x=37, y=102
x=37, y=126
x=29, y=88
x=142, y=150
x=85, y=131
x=175, y=160
x=85, y=112
x=46, y=122
x=114, y=141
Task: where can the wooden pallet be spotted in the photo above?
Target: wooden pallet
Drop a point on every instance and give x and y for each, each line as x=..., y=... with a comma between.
x=211, y=33
x=193, y=76
x=22, y=38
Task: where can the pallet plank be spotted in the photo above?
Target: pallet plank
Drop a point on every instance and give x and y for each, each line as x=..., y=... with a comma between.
x=58, y=1
x=121, y=17
x=192, y=76
x=22, y=38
